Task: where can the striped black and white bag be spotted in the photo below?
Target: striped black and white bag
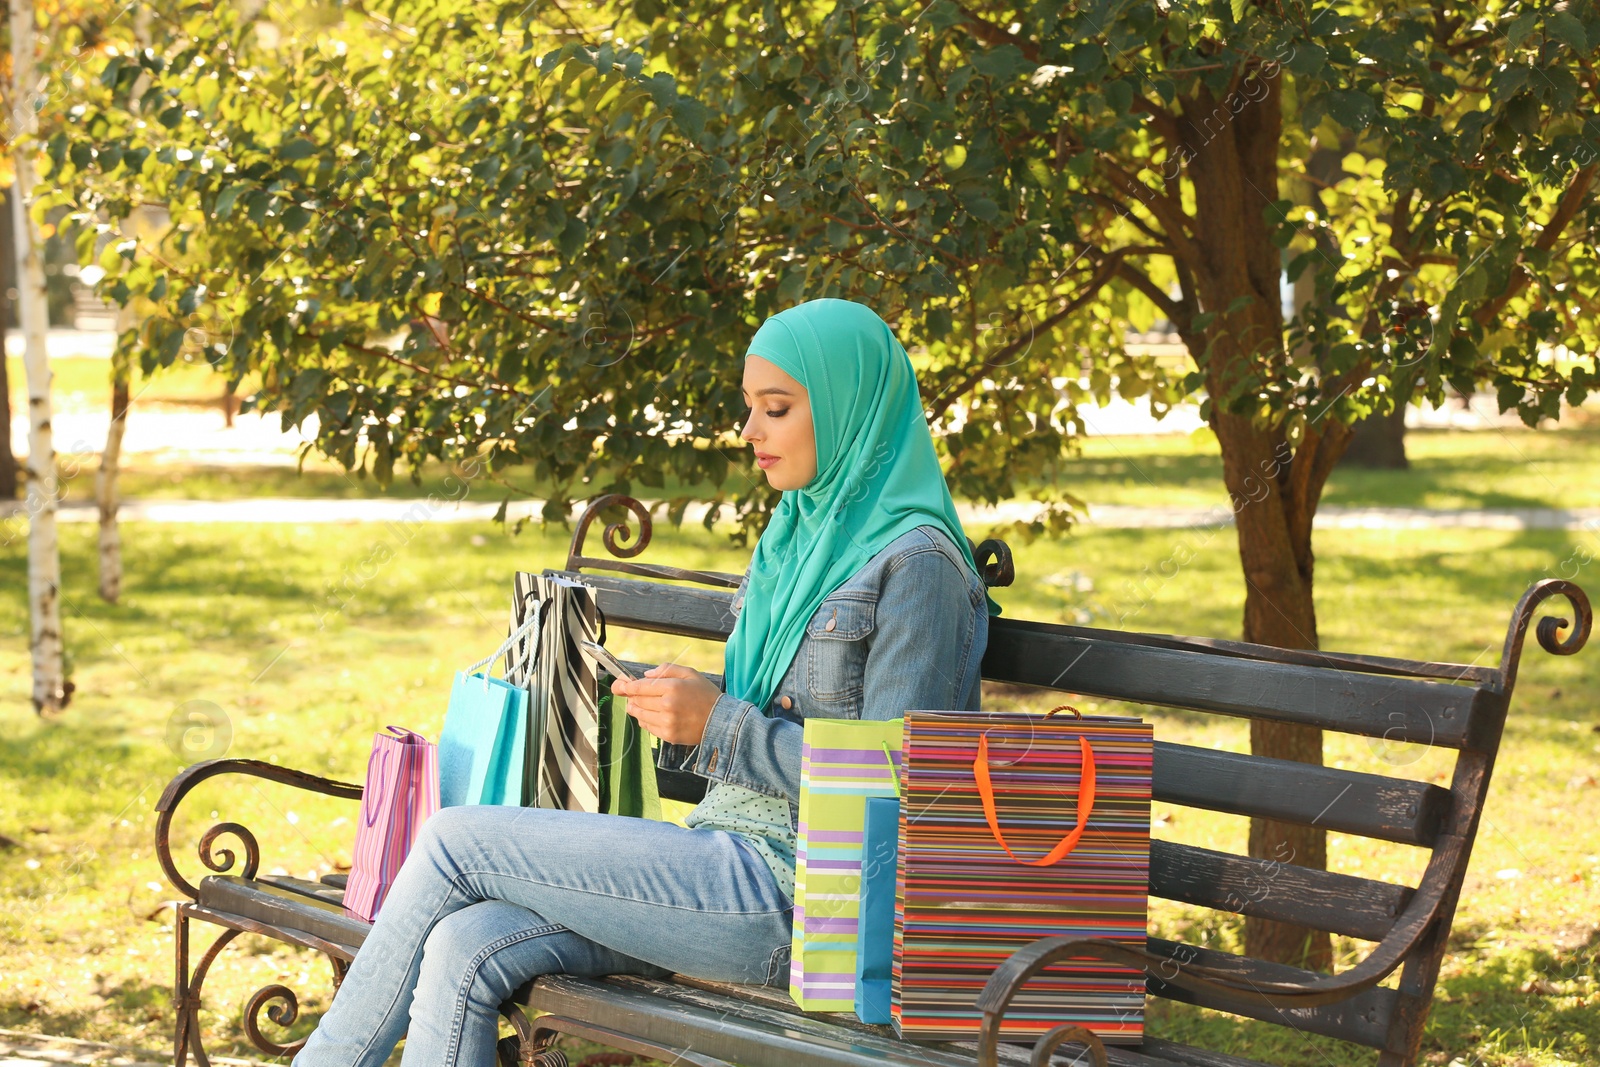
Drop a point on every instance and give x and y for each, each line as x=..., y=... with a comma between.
x=563, y=765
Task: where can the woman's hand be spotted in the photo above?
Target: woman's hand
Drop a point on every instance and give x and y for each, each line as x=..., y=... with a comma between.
x=671, y=701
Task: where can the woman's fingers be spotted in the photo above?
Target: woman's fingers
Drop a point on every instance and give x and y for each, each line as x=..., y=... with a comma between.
x=670, y=670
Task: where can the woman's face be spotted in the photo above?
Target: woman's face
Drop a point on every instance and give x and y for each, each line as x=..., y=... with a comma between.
x=779, y=426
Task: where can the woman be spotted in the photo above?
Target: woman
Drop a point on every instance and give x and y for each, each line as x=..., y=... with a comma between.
x=862, y=601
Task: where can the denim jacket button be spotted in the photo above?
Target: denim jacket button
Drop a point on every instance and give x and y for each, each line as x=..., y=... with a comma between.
x=830, y=624
x=786, y=702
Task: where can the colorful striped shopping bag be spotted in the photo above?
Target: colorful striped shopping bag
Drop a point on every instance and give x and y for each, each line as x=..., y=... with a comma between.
x=1016, y=826
x=842, y=763
x=401, y=791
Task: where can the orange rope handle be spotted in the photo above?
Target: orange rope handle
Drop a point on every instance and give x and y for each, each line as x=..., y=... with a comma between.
x=980, y=771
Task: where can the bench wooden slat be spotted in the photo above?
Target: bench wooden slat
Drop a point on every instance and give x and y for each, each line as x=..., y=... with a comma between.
x=287, y=908
x=1339, y=903
x=1363, y=1018
x=1150, y=1051
x=1393, y=707
x=1370, y=805
x=1192, y=1056
x=768, y=1034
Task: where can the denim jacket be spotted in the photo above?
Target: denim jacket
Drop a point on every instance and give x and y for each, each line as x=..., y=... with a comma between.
x=906, y=631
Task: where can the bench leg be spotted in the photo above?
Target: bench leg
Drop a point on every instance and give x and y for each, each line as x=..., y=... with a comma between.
x=180, y=987
x=186, y=993
x=533, y=1046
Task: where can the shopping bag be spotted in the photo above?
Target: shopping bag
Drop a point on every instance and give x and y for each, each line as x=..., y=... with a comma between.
x=1017, y=826
x=402, y=790
x=880, y=847
x=842, y=763
x=483, y=744
x=627, y=766
x=562, y=764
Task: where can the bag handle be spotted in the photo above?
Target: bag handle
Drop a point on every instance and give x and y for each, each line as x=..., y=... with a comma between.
x=410, y=742
x=894, y=772
x=532, y=622
x=980, y=771
x=370, y=808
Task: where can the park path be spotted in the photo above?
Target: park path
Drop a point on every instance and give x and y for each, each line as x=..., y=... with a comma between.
x=19, y=1049
x=1107, y=516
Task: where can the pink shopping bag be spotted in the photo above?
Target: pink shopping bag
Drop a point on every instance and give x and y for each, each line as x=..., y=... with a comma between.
x=402, y=790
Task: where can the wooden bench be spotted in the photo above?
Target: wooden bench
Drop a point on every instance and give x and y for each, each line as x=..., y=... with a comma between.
x=1458, y=707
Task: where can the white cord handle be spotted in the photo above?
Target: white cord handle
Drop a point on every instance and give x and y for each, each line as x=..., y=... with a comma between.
x=531, y=623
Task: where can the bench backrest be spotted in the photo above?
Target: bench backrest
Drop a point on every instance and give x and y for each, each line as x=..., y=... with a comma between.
x=1451, y=706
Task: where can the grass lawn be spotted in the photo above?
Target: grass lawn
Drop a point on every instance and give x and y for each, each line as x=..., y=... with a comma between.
x=1492, y=468
x=82, y=383
x=241, y=619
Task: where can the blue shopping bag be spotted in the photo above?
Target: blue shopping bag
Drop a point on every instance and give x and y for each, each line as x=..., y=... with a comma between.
x=880, y=846
x=483, y=746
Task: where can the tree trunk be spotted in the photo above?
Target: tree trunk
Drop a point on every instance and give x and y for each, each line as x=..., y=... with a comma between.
x=1378, y=442
x=8, y=459
x=105, y=480
x=1274, y=532
x=1274, y=485
x=106, y=496
x=51, y=691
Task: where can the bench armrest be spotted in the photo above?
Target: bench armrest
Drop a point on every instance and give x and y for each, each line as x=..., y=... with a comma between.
x=223, y=861
x=1238, y=984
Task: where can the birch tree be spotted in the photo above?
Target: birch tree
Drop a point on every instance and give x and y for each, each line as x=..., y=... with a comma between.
x=50, y=688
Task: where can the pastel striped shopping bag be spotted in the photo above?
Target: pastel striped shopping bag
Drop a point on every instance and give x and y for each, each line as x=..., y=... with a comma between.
x=402, y=790
x=1016, y=826
x=842, y=763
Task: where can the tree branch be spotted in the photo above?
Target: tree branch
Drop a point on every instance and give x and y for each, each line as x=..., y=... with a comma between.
x=1572, y=200
x=989, y=33
x=1174, y=220
x=1103, y=274
x=1172, y=309
x=383, y=353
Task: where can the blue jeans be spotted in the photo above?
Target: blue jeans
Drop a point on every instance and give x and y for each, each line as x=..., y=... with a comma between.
x=490, y=897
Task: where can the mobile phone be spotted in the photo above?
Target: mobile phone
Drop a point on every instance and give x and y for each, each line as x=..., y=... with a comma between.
x=607, y=660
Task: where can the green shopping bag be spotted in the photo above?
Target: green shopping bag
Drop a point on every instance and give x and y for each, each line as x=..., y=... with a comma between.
x=627, y=766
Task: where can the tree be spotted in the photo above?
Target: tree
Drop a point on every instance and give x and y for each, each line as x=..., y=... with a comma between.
x=107, y=499
x=8, y=460
x=51, y=690
x=599, y=215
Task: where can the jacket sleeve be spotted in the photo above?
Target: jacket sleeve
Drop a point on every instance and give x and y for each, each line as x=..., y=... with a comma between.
x=912, y=662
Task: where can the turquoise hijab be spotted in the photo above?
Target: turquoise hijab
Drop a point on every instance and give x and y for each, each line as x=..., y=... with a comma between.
x=877, y=478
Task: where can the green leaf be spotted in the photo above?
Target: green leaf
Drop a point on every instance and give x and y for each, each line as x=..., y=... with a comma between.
x=1119, y=96
x=1565, y=27
x=295, y=219
x=1236, y=8
x=1520, y=27
x=226, y=200
x=572, y=236
x=1002, y=64
x=1351, y=108
x=1308, y=59
x=299, y=148
x=981, y=207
